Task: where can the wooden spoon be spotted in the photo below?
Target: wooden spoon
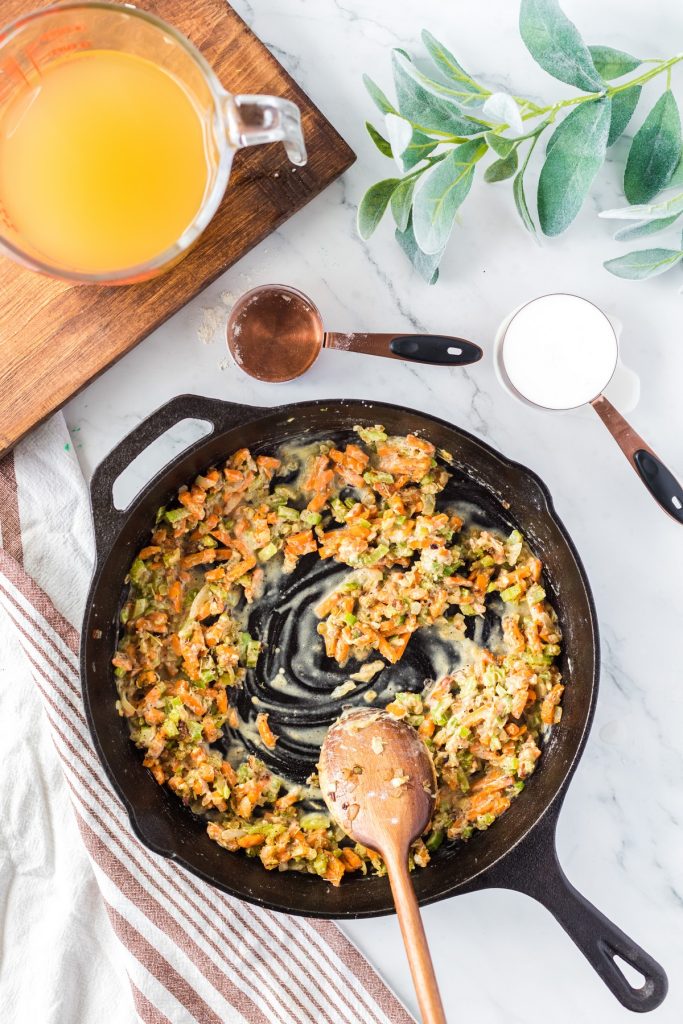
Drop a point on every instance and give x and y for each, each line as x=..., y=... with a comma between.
x=379, y=783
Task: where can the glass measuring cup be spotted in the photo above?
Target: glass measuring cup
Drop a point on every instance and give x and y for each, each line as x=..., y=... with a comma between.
x=559, y=352
x=35, y=45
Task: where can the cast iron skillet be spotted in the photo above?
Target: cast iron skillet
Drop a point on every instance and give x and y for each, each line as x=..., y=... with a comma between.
x=519, y=851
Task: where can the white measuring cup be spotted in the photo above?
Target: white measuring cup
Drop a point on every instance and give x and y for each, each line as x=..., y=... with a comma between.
x=559, y=352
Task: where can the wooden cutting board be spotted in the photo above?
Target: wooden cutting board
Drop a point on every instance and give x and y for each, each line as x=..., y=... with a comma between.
x=55, y=337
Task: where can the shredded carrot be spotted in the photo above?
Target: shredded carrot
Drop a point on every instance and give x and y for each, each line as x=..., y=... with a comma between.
x=265, y=732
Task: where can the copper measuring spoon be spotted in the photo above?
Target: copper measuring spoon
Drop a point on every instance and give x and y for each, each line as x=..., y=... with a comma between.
x=378, y=780
x=275, y=334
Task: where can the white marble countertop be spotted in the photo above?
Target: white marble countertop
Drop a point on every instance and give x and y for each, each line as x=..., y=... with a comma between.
x=499, y=956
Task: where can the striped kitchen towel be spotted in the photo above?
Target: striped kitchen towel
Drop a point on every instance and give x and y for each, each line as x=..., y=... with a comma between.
x=190, y=952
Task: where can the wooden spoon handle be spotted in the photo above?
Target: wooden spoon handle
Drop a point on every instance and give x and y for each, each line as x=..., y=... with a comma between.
x=414, y=939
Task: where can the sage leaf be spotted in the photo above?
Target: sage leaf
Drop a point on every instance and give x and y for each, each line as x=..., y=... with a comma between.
x=400, y=133
x=655, y=151
x=521, y=203
x=377, y=96
x=499, y=144
x=427, y=265
x=501, y=107
x=611, y=63
x=676, y=179
x=644, y=263
x=645, y=227
x=425, y=108
x=623, y=107
x=402, y=201
x=577, y=153
x=554, y=43
x=439, y=194
x=501, y=169
x=373, y=204
x=381, y=143
x=419, y=147
x=647, y=211
x=469, y=91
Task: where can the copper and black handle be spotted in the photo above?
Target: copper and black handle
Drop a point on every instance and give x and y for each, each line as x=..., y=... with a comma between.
x=436, y=349
x=660, y=481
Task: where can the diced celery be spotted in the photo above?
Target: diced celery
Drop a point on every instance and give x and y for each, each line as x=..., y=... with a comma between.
x=253, y=651
x=266, y=553
x=484, y=820
x=310, y=518
x=371, y=435
x=174, y=515
x=434, y=840
x=285, y=493
x=338, y=510
x=195, y=730
x=139, y=607
x=138, y=571
x=320, y=864
x=376, y=477
x=314, y=820
x=512, y=593
x=375, y=556
x=513, y=547
x=438, y=712
x=350, y=619
x=535, y=594
x=285, y=512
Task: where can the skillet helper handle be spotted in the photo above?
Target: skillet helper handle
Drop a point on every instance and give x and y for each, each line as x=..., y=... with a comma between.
x=107, y=518
x=660, y=481
x=435, y=349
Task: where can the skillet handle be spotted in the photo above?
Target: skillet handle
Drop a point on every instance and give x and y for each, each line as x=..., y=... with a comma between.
x=600, y=941
x=535, y=870
x=107, y=518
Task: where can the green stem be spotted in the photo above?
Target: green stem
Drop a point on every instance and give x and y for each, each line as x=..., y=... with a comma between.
x=611, y=90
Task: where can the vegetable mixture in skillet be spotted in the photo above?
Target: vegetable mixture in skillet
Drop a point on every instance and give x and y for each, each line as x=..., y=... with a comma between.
x=183, y=647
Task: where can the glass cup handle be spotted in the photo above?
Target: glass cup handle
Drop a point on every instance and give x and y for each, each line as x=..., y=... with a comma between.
x=253, y=120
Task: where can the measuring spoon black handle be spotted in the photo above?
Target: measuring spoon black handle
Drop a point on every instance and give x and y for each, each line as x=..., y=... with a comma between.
x=660, y=481
x=437, y=349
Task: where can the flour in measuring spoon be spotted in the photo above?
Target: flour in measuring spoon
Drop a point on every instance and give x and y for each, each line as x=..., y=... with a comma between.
x=559, y=351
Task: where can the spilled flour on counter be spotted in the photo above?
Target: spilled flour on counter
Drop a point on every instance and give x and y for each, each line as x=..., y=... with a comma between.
x=214, y=318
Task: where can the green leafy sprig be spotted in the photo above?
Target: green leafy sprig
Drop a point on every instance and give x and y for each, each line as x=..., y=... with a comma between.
x=445, y=122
